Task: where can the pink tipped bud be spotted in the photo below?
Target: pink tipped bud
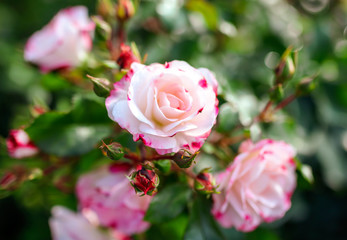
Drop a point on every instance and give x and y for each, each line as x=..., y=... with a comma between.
x=144, y=180
x=205, y=182
x=124, y=10
x=126, y=57
x=19, y=144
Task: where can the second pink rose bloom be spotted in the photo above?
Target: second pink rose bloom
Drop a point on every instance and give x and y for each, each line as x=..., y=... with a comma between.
x=169, y=107
x=257, y=187
x=108, y=193
x=64, y=42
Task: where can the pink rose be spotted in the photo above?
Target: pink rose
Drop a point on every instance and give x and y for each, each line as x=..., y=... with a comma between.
x=64, y=42
x=256, y=187
x=67, y=225
x=169, y=107
x=19, y=144
x=109, y=194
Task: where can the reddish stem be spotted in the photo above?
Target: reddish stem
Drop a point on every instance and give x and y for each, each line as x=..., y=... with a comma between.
x=262, y=115
x=285, y=102
x=232, y=140
x=133, y=157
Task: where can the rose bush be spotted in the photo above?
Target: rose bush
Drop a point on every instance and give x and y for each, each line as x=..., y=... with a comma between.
x=64, y=42
x=19, y=144
x=108, y=192
x=169, y=107
x=257, y=186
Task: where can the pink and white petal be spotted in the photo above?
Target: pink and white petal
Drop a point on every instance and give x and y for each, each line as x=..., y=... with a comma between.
x=122, y=114
x=41, y=43
x=157, y=142
x=66, y=225
x=210, y=77
x=246, y=145
x=25, y=151
x=204, y=119
x=79, y=15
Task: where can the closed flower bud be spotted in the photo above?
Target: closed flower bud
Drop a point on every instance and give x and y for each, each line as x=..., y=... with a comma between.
x=286, y=67
x=19, y=144
x=105, y=8
x=306, y=85
x=144, y=180
x=114, y=150
x=126, y=57
x=205, y=182
x=184, y=159
x=101, y=86
x=37, y=110
x=124, y=10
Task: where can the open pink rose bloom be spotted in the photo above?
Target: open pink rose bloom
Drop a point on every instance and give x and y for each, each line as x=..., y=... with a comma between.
x=169, y=107
x=257, y=186
x=67, y=225
x=64, y=42
x=108, y=193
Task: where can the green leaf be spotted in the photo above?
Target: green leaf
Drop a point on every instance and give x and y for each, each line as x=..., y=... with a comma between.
x=163, y=165
x=262, y=233
x=168, y=203
x=175, y=227
x=73, y=133
x=201, y=225
x=54, y=82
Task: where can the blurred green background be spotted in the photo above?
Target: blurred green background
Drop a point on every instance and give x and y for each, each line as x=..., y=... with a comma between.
x=241, y=41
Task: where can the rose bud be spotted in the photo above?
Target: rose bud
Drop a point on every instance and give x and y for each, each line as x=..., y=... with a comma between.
x=168, y=107
x=19, y=144
x=114, y=150
x=64, y=42
x=144, y=180
x=205, y=182
x=126, y=57
x=109, y=194
x=105, y=8
x=184, y=158
x=124, y=10
x=37, y=110
x=257, y=186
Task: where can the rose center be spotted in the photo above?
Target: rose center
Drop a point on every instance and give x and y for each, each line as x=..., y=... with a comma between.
x=175, y=97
